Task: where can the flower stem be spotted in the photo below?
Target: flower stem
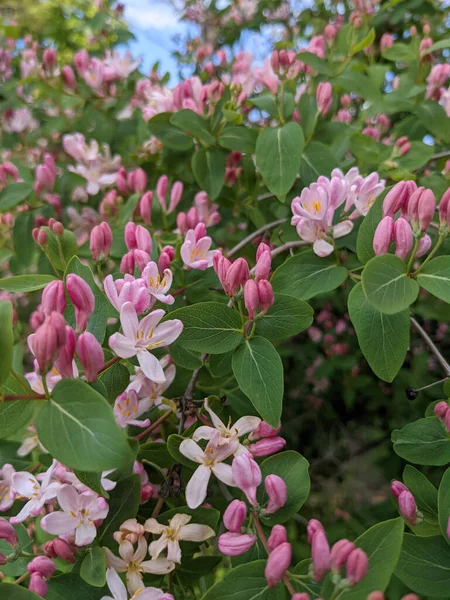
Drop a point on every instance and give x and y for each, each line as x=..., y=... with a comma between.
x=22, y=578
x=154, y=425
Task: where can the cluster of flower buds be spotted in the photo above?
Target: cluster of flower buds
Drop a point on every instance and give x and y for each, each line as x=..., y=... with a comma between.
x=403, y=145
x=176, y=193
x=343, y=554
x=232, y=170
x=40, y=568
x=416, y=206
x=235, y=541
x=45, y=175
x=101, y=241
x=406, y=503
x=139, y=243
x=8, y=170
x=203, y=211
x=280, y=556
x=380, y=596
x=265, y=440
x=60, y=548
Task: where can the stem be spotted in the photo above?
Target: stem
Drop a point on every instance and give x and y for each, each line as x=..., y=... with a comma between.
x=22, y=578
x=44, y=383
x=254, y=235
x=9, y=397
x=158, y=508
x=99, y=272
x=189, y=393
x=108, y=364
x=413, y=255
x=154, y=425
x=444, y=364
x=432, y=253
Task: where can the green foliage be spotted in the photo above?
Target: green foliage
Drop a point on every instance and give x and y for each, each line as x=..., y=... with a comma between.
x=285, y=318
x=423, y=442
x=423, y=565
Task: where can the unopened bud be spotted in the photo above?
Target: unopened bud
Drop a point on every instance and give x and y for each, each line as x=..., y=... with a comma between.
x=42, y=565
x=383, y=235
x=145, y=207
x=161, y=190
x=247, y=476
x=276, y=489
x=82, y=298
x=407, y=507
x=38, y=585
x=324, y=97
x=235, y=515
x=101, y=241
x=143, y=239
x=441, y=409
x=53, y=298
x=265, y=295
x=235, y=544
x=339, y=554
x=176, y=194
x=267, y=446
x=320, y=554
x=278, y=563
x=64, y=362
x=403, y=237
x=68, y=77
x=277, y=536
x=7, y=532
x=90, y=354
x=357, y=566
x=263, y=265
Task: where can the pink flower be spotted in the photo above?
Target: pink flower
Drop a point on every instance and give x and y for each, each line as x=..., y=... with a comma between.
x=127, y=289
x=28, y=486
x=79, y=511
x=141, y=337
x=7, y=492
x=195, y=251
x=119, y=591
x=127, y=408
x=157, y=286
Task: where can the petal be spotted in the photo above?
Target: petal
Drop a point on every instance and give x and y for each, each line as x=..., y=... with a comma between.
x=150, y=366
x=141, y=550
x=342, y=229
x=116, y=585
x=167, y=332
x=122, y=346
x=68, y=498
x=246, y=425
x=152, y=526
x=59, y=523
x=322, y=248
x=149, y=322
x=218, y=423
x=23, y=514
x=129, y=321
x=28, y=446
x=204, y=244
x=197, y=486
x=158, y=566
x=114, y=561
x=85, y=534
x=25, y=483
x=224, y=473
x=126, y=551
x=174, y=551
x=196, y=533
x=158, y=546
x=134, y=581
x=179, y=520
x=111, y=291
x=192, y=450
x=204, y=432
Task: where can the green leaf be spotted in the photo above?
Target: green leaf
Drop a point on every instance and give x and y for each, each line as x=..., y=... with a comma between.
x=6, y=339
x=312, y=60
x=366, y=149
x=258, y=370
x=123, y=503
x=441, y=45
x=188, y=359
x=278, y=155
x=62, y=248
x=204, y=516
x=424, y=565
x=18, y=566
x=13, y=194
x=387, y=286
x=285, y=318
x=265, y=102
x=71, y=587
x=366, y=41
x=17, y=413
x=435, y=277
x=400, y=52
x=240, y=138
x=173, y=446
x=383, y=339
x=208, y=166
x=93, y=567
x=25, y=283
x=78, y=428
x=115, y=379
x=306, y=275
x=156, y=453
x=209, y=327
x=292, y=467
x=419, y=155
x=17, y=592
x=170, y=136
x=244, y=582
x=423, y=442
x=317, y=159
x=24, y=245
x=434, y=118
x=97, y=321
x=92, y=481
x=426, y=497
x=444, y=504
x=364, y=241
x=382, y=544
x=192, y=123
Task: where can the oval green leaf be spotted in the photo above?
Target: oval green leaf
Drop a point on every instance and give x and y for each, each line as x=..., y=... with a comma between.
x=285, y=318
x=423, y=442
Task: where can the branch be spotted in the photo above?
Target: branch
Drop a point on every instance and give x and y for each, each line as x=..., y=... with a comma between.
x=254, y=235
x=9, y=397
x=108, y=364
x=189, y=393
x=440, y=155
x=154, y=425
x=429, y=342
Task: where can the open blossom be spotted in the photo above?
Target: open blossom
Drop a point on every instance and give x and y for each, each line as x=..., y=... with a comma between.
x=229, y=432
x=148, y=391
x=179, y=529
x=7, y=492
x=132, y=563
x=139, y=337
x=31, y=441
x=127, y=289
x=195, y=251
x=127, y=409
x=27, y=486
x=158, y=285
x=121, y=66
x=119, y=591
x=210, y=461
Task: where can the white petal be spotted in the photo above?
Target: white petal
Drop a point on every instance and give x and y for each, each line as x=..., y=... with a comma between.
x=114, y=561
x=68, y=498
x=197, y=486
x=157, y=546
x=129, y=320
x=150, y=366
x=204, y=432
x=122, y=346
x=246, y=425
x=196, y=533
x=224, y=473
x=116, y=585
x=174, y=551
x=25, y=484
x=192, y=450
x=158, y=566
x=85, y=534
x=59, y=523
x=152, y=526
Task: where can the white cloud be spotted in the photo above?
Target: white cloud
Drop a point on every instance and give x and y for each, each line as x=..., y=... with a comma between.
x=147, y=14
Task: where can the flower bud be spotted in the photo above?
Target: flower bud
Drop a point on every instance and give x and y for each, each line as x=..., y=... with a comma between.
x=357, y=566
x=130, y=530
x=278, y=563
x=444, y=206
x=263, y=430
x=234, y=544
x=130, y=235
x=59, y=548
x=90, y=354
x=7, y=532
x=274, y=61
x=397, y=487
x=386, y=41
x=320, y=554
x=53, y=298
x=375, y=596
x=3, y=559
x=265, y=294
x=263, y=265
x=64, y=362
x=276, y=489
x=163, y=261
x=251, y=297
x=121, y=181
x=340, y=552
x=407, y=507
x=49, y=59
x=247, y=476
x=403, y=237
x=313, y=526
x=424, y=246
x=267, y=446
x=38, y=585
x=101, y=241
x=324, y=97
x=48, y=340
x=137, y=181
x=440, y=410
x=235, y=515
x=44, y=179
x=277, y=536
x=41, y=237
x=127, y=263
x=426, y=208
x=161, y=190
x=397, y=198
x=143, y=239
x=42, y=565
x=141, y=259
x=82, y=298
x=81, y=61
x=68, y=77
x=383, y=235
x=145, y=207
x=300, y=596
x=410, y=597
x=237, y=274
x=175, y=195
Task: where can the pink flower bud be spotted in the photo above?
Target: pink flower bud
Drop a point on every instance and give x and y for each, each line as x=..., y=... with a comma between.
x=49, y=59
x=386, y=41
x=263, y=265
x=383, y=235
x=147, y=492
x=263, y=430
x=448, y=528
x=274, y=61
x=182, y=225
x=41, y=237
x=68, y=77
x=440, y=410
x=324, y=97
x=127, y=263
x=405, y=148
x=277, y=536
x=330, y=32
x=42, y=565
x=340, y=552
x=237, y=274
x=170, y=250
x=410, y=597
x=101, y=241
x=48, y=340
x=276, y=489
x=403, y=237
x=267, y=446
x=313, y=526
x=3, y=559
x=397, y=487
x=64, y=362
x=141, y=258
x=53, y=298
x=424, y=246
x=251, y=297
x=140, y=181
x=161, y=190
x=36, y=319
x=145, y=207
x=235, y=515
x=7, y=532
x=265, y=294
x=130, y=235
x=59, y=548
x=175, y=195
x=407, y=507
x=143, y=239
x=375, y=596
x=234, y=544
x=163, y=262
x=397, y=198
x=82, y=298
x=444, y=206
x=121, y=181
x=278, y=563
x=300, y=596
x=247, y=476
x=426, y=208
x=81, y=61
x=357, y=566
x=320, y=554
x=90, y=354
x=44, y=178
x=192, y=218
x=38, y=585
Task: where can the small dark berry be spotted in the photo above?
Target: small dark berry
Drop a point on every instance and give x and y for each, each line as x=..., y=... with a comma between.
x=411, y=393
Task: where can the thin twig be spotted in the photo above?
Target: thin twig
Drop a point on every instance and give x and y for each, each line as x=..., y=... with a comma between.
x=108, y=364
x=444, y=364
x=189, y=393
x=9, y=397
x=440, y=155
x=154, y=425
x=254, y=235
x=158, y=508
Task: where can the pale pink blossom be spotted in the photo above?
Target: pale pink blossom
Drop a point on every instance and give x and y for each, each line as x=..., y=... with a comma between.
x=195, y=251
x=158, y=285
x=127, y=409
x=122, y=66
x=127, y=289
x=27, y=486
x=7, y=492
x=148, y=391
x=119, y=591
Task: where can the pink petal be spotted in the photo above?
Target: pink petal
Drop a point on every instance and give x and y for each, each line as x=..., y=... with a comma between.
x=167, y=332
x=59, y=523
x=129, y=321
x=122, y=346
x=224, y=473
x=150, y=366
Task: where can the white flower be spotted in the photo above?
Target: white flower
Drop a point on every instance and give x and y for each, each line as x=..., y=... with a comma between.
x=210, y=461
x=7, y=492
x=119, y=591
x=149, y=392
x=127, y=408
x=31, y=442
x=177, y=530
x=27, y=486
x=156, y=286
x=228, y=432
x=132, y=563
x=79, y=511
x=122, y=66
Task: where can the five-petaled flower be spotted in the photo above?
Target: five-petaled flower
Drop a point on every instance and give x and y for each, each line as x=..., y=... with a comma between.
x=158, y=285
x=119, y=591
x=195, y=251
x=27, y=486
